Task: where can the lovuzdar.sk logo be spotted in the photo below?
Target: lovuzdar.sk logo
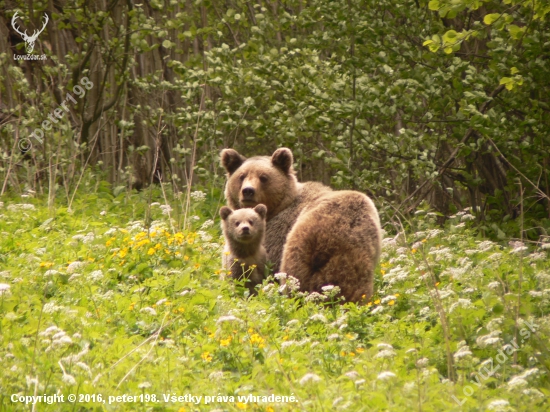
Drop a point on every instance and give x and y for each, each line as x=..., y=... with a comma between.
x=29, y=39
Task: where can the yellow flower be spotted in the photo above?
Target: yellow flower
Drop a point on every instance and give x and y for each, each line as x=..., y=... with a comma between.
x=256, y=339
x=285, y=337
x=227, y=252
x=142, y=242
x=350, y=336
x=377, y=302
x=342, y=353
x=391, y=302
x=424, y=240
x=167, y=251
x=123, y=253
x=226, y=342
x=352, y=354
x=197, y=265
x=269, y=409
x=153, y=233
x=359, y=350
x=182, y=409
x=123, y=231
x=383, y=272
x=241, y=405
x=186, y=257
x=151, y=251
x=396, y=295
x=413, y=251
x=369, y=304
x=206, y=357
x=178, y=254
x=158, y=246
x=437, y=284
x=91, y=259
x=46, y=264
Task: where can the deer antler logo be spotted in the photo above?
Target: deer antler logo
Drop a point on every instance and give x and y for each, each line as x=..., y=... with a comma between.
x=29, y=40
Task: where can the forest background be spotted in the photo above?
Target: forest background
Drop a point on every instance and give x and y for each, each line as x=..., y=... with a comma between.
x=442, y=102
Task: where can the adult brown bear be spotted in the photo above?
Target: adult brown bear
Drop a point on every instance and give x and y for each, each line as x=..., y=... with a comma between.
x=320, y=236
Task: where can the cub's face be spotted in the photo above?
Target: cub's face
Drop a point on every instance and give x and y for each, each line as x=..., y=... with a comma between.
x=244, y=225
x=261, y=179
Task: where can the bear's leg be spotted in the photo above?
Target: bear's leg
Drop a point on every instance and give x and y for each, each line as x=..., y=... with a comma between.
x=336, y=243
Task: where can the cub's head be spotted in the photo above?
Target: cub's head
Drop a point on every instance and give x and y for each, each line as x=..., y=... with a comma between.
x=244, y=225
x=261, y=179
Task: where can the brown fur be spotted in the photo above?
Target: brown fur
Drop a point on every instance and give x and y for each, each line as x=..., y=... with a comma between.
x=320, y=236
x=244, y=232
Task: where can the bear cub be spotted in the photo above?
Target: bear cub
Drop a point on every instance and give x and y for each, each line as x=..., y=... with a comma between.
x=244, y=253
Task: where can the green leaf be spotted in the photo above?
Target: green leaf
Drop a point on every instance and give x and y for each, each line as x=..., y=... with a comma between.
x=433, y=5
x=490, y=18
x=166, y=44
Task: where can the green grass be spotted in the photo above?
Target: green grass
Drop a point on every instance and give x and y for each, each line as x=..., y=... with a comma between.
x=105, y=304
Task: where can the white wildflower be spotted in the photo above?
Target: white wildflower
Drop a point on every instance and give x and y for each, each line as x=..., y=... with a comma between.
x=461, y=303
x=74, y=266
x=280, y=276
x=462, y=352
x=385, y=354
x=228, y=318
x=144, y=385
x=4, y=289
x=309, y=377
x=318, y=317
x=166, y=209
x=387, y=375
x=422, y=362
x=293, y=322
x=51, y=307
x=467, y=217
x=204, y=236
x=492, y=339
x=288, y=343
x=517, y=382
x=545, y=246
x=359, y=382
x=96, y=275
x=207, y=224
x=377, y=310
x=383, y=345
x=533, y=393
x=352, y=375
x=315, y=297
x=334, y=336
x=198, y=196
x=494, y=285
x=149, y=311
x=68, y=379
x=498, y=405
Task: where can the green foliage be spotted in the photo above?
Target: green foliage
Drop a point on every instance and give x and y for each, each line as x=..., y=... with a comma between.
x=98, y=301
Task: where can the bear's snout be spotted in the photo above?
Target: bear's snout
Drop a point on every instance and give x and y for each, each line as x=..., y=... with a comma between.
x=248, y=193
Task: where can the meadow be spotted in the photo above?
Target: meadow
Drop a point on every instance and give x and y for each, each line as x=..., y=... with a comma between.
x=121, y=301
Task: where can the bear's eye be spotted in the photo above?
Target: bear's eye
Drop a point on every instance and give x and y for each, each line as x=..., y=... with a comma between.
x=250, y=222
x=263, y=179
x=241, y=177
x=237, y=224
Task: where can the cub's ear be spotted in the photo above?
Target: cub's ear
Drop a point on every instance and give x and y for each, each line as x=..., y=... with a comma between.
x=261, y=210
x=282, y=158
x=225, y=212
x=231, y=160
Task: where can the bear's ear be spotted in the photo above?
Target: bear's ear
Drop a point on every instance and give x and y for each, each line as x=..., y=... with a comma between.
x=261, y=210
x=282, y=158
x=231, y=160
x=225, y=212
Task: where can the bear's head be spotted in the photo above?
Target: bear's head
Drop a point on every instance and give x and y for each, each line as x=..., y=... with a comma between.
x=261, y=179
x=244, y=225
